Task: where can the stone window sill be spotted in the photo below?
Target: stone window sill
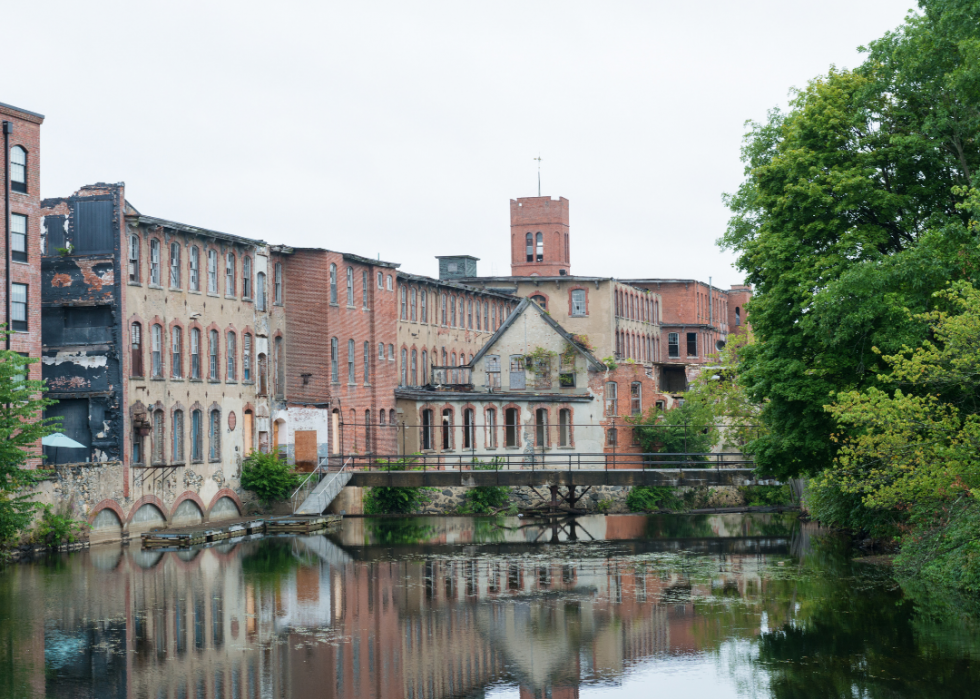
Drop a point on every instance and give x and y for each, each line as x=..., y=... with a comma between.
x=155, y=286
x=194, y=291
x=132, y=283
x=157, y=378
x=137, y=378
x=196, y=381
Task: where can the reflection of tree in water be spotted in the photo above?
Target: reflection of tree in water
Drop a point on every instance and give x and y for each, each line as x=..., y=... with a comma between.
x=269, y=560
x=678, y=527
x=399, y=532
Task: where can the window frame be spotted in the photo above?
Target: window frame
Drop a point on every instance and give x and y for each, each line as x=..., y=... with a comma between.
x=15, y=254
x=19, y=186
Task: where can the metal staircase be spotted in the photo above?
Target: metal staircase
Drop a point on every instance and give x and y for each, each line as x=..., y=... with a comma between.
x=319, y=489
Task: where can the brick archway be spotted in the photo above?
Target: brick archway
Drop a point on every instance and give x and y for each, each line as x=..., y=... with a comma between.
x=108, y=505
x=152, y=500
x=225, y=493
x=189, y=495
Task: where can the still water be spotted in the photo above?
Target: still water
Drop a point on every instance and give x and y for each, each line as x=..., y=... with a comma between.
x=616, y=606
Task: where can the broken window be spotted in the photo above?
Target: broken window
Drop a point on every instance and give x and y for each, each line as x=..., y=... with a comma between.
x=134, y=259
x=176, y=366
x=447, y=429
x=493, y=371
x=260, y=291
x=277, y=284
x=511, y=425
x=636, y=398
x=195, y=353
x=391, y=352
x=230, y=357
x=462, y=318
x=247, y=277
x=158, y=455
x=578, y=302
x=426, y=436
x=334, y=360
x=612, y=437
x=414, y=306
x=137, y=445
x=333, y=283
x=517, y=377
x=214, y=434
x=18, y=238
x=425, y=367
x=18, y=169
x=540, y=245
x=404, y=374
x=350, y=361
x=156, y=349
x=263, y=362
x=195, y=281
x=155, y=262
x=540, y=300
x=247, y=357
x=197, y=437
x=492, y=428
x=612, y=395
x=469, y=429
x=738, y=316
x=415, y=368
x=136, y=349
x=177, y=452
x=541, y=428
x=425, y=309
x=367, y=362
x=566, y=370
x=350, y=286
x=494, y=317
x=213, y=355
x=529, y=245
x=673, y=345
x=230, y=274
x=564, y=427
x=692, y=344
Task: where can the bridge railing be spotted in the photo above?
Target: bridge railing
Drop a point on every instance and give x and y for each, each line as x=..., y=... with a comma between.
x=545, y=461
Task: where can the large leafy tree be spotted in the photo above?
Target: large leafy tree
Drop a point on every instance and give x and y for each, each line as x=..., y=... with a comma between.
x=849, y=215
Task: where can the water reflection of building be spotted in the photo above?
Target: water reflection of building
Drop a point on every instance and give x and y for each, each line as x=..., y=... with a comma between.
x=298, y=617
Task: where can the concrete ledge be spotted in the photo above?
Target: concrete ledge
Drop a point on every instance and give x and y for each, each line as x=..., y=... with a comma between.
x=620, y=477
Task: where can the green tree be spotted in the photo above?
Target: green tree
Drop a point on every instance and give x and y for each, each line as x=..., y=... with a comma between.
x=848, y=216
x=384, y=500
x=690, y=427
x=268, y=477
x=21, y=427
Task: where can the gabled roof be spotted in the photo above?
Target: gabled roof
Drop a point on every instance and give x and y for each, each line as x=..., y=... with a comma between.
x=519, y=311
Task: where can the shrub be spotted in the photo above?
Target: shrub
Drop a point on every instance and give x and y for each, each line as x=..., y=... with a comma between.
x=646, y=498
x=485, y=498
x=687, y=428
x=383, y=500
x=55, y=528
x=268, y=477
x=766, y=495
x=827, y=503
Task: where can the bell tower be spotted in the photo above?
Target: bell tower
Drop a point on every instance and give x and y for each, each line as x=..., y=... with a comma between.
x=539, y=237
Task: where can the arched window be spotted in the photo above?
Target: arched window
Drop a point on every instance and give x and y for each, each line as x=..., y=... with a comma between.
x=738, y=316
x=469, y=314
x=157, y=351
x=277, y=281
x=426, y=436
x=158, y=455
x=611, y=398
x=195, y=269
x=381, y=350
x=18, y=169
x=391, y=352
x=404, y=303
x=230, y=274
x=381, y=285
x=260, y=291
x=382, y=417
x=155, y=262
x=469, y=429
x=425, y=367
x=174, y=265
x=511, y=427
x=136, y=349
x=195, y=353
x=177, y=453
x=334, y=360
x=391, y=416
x=540, y=245
x=367, y=362
x=212, y=272
x=333, y=283
x=247, y=357
x=540, y=300
x=213, y=356
x=564, y=427
x=452, y=312
x=414, y=306
x=134, y=259
x=350, y=361
x=479, y=305
x=388, y=283
x=415, y=368
x=492, y=428
x=541, y=428
x=443, y=297
x=176, y=358
x=231, y=351
x=247, y=277
x=529, y=244
x=214, y=435
x=197, y=436
x=447, y=429
x=350, y=286
x=364, y=288
x=404, y=374
x=486, y=316
x=636, y=398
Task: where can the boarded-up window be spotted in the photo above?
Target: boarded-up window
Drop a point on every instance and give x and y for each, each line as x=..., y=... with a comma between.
x=158, y=437
x=93, y=227
x=305, y=449
x=636, y=398
x=517, y=378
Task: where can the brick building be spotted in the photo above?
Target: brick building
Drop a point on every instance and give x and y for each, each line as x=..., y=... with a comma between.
x=21, y=204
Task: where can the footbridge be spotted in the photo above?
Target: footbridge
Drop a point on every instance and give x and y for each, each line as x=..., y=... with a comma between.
x=568, y=471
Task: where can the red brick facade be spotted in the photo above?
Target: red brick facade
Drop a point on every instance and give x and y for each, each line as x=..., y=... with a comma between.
x=539, y=237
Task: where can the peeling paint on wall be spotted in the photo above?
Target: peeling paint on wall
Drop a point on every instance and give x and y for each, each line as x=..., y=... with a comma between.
x=81, y=358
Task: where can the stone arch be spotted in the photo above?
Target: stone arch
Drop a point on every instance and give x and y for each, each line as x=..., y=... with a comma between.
x=106, y=522
x=225, y=493
x=155, y=514
x=186, y=513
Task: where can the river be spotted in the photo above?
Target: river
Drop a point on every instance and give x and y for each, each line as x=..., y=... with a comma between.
x=416, y=608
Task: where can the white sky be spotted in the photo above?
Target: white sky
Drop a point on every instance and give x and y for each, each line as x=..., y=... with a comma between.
x=403, y=128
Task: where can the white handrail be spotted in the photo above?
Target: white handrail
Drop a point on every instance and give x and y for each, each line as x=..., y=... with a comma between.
x=326, y=488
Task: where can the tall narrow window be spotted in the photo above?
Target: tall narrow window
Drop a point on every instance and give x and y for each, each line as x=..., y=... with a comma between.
x=692, y=344
x=469, y=314
x=611, y=398
x=673, y=345
x=493, y=371
x=541, y=428
x=18, y=238
x=247, y=357
x=529, y=244
x=462, y=316
x=486, y=315
x=176, y=346
x=564, y=427
x=214, y=435
x=247, y=277
x=415, y=368
x=367, y=362
x=391, y=352
x=195, y=269
x=364, y=288
x=493, y=317
x=230, y=354
x=404, y=375
x=367, y=431
x=540, y=245
x=277, y=295
x=350, y=361
x=381, y=285
x=157, y=351
x=177, y=450
x=333, y=283
x=738, y=316
x=334, y=360
x=18, y=307
x=263, y=363
x=517, y=376
x=134, y=259
x=155, y=262
x=18, y=169
x=443, y=297
x=478, y=306
x=212, y=272
x=230, y=274
x=388, y=285
x=415, y=315
x=350, y=286
x=197, y=437
x=381, y=350
x=578, y=302
x=158, y=437
x=195, y=353
x=452, y=312
x=136, y=349
x=280, y=370
x=213, y=355
x=260, y=291
x=469, y=429
x=425, y=367
x=403, y=293
x=636, y=398
x=424, y=303
x=426, y=429
x=511, y=427
x=492, y=428
x=447, y=429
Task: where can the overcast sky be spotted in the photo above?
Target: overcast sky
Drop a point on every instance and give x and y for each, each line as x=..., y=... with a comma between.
x=403, y=129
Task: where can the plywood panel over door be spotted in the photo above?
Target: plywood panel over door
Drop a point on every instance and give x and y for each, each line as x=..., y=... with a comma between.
x=305, y=446
x=247, y=432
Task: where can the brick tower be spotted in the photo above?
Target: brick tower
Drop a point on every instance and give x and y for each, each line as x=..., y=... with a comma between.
x=539, y=237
